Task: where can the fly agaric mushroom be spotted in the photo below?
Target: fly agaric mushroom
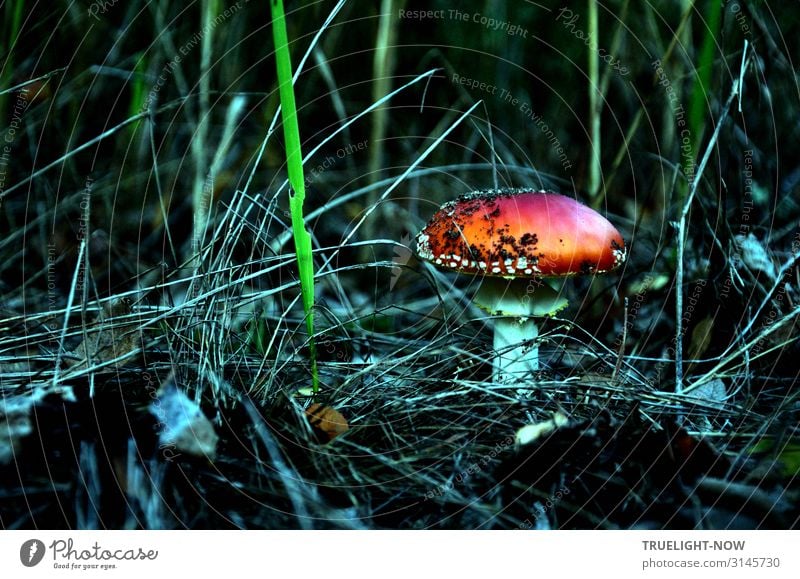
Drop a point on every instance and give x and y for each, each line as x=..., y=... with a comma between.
x=521, y=240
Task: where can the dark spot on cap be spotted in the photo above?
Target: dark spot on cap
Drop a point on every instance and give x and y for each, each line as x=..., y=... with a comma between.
x=509, y=239
x=475, y=252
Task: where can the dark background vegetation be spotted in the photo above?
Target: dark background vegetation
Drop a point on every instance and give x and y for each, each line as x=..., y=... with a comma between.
x=403, y=357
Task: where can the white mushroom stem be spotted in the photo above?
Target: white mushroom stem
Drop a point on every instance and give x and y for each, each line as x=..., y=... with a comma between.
x=518, y=303
x=516, y=351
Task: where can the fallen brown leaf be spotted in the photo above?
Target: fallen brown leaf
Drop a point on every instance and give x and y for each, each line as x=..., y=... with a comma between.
x=110, y=340
x=326, y=421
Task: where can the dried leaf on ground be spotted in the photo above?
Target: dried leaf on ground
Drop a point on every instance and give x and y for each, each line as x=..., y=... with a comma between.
x=108, y=341
x=182, y=424
x=326, y=421
x=533, y=432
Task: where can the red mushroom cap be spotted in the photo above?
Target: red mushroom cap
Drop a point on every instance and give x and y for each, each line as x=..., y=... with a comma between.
x=520, y=233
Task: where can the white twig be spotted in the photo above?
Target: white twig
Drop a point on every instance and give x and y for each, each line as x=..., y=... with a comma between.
x=70, y=300
x=682, y=239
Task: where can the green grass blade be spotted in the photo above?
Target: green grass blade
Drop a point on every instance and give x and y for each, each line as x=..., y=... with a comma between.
x=138, y=91
x=595, y=105
x=294, y=161
x=701, y=88
x=13, y=16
